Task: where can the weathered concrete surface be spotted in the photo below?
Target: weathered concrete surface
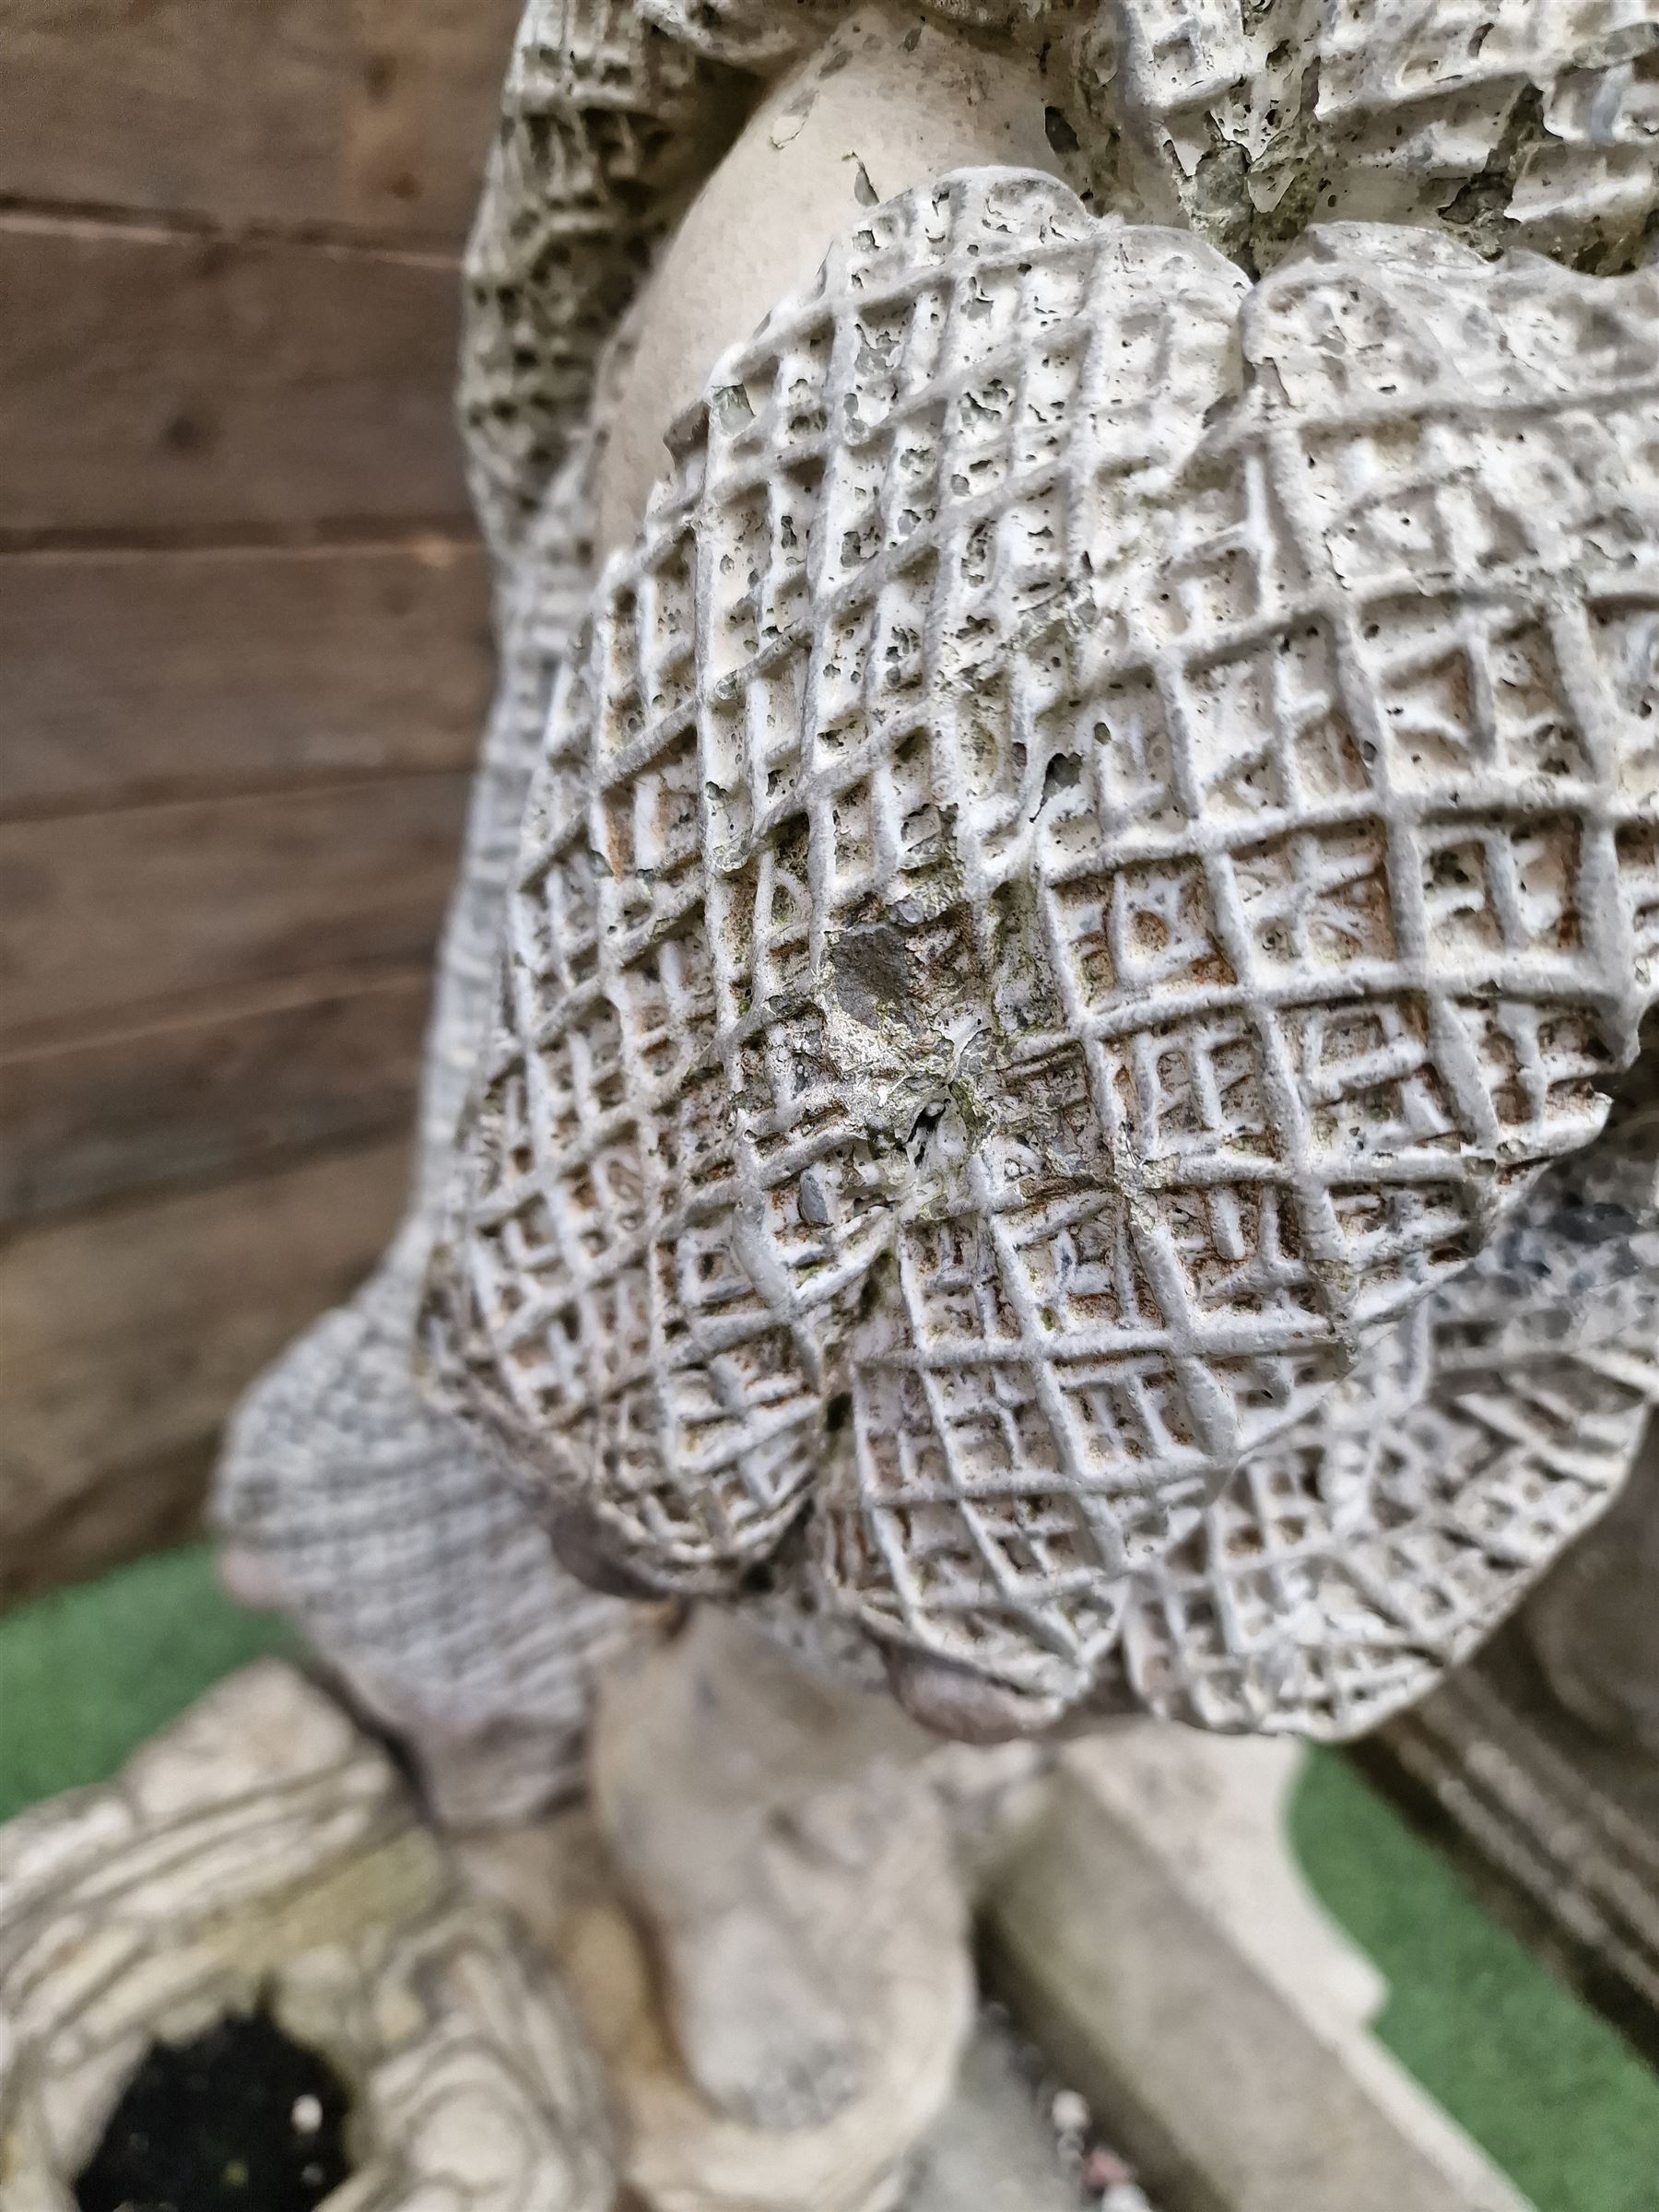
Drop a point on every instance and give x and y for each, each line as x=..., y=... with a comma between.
x=680, y=2153
x=262, y=1852
x=1154, y=1938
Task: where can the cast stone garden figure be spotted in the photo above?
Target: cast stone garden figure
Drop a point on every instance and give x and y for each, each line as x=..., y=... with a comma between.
x=1064, y=871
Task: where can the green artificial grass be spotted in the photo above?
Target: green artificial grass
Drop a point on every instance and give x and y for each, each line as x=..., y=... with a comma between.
x=1553, y=2094
x=88, y=1673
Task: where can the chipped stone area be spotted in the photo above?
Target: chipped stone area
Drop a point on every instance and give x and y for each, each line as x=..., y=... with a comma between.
x=260, y=1860
x=1507, y=124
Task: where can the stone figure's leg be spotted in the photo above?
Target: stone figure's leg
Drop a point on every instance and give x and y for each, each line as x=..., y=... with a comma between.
x=781, y=1837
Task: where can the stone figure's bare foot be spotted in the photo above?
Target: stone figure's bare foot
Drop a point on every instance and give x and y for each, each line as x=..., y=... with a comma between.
x=760, y=2034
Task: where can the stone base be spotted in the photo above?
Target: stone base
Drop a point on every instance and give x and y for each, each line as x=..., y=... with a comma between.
x=259, y=1866
x=1156, y=1939
x=262, y=1859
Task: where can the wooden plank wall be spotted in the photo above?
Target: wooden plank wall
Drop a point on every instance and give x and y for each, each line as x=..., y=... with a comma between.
x=243, y=661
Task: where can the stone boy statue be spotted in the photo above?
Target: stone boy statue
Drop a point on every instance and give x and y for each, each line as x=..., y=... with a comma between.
x=1064, y=871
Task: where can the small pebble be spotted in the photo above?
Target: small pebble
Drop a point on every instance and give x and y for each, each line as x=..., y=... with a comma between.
x=1069, y=2112
x=1102, y=2169
x=1103, y=2180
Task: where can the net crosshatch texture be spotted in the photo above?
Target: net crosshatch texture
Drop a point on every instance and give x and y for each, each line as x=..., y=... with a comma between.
x=1089, y=851
x=1346, y=1566
x=1515, y=123
x=937, y=1124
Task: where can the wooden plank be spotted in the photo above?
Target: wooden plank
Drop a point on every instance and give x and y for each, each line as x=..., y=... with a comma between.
x=120, y=1513
x=142, y=676
x=101, y=913
x=295, y=1066
x=342, y=112
x=126, y=1335
x=150, y=382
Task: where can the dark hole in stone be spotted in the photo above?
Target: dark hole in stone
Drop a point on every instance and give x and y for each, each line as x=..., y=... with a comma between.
x=1063, y=772
x=1058, y=131
x=872, y=972
x=239, y=2119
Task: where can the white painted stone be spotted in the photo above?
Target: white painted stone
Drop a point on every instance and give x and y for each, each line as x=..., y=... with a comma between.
x=780, y=1837
x=1244, y=125
x=1096, y=834
x=890, y=101
x=682, y=2153
x=1213, y=1809
x=1346, y=1567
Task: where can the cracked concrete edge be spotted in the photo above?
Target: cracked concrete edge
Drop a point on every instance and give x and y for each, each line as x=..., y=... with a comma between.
x=1222, y=2043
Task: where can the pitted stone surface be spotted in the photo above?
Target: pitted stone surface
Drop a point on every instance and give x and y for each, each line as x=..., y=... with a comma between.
x=1348, y=1565
x=1503, y=123
x=1103, y=830
x=1510, y=123
x=477, y=1640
